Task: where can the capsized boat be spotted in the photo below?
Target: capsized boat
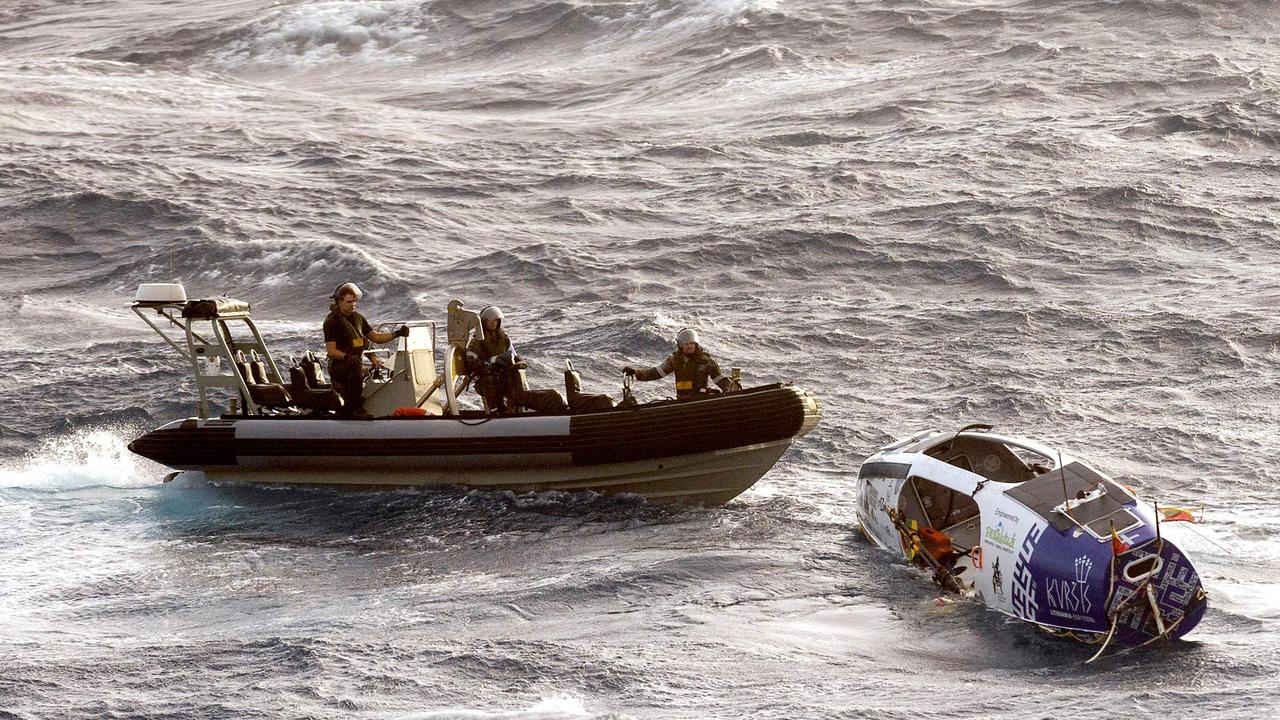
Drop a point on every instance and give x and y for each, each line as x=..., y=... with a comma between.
x=1032, y=532
x=705, y=450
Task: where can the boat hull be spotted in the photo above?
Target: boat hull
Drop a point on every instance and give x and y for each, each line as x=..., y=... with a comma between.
x=1102, y=572
x=704, y=451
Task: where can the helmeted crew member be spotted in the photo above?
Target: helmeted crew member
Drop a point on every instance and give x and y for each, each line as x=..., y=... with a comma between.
x=692, y=366
x=496, y=382
x=346, y=337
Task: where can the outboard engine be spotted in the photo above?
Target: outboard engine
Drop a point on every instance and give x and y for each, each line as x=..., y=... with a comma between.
x=580, y=402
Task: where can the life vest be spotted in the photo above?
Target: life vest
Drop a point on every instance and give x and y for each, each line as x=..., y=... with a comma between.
x=691, y=373
x=346, y=332
x=935, y=543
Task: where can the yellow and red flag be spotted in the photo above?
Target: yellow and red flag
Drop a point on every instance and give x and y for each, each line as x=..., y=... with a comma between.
x=1117, y=545
x=1176, y=514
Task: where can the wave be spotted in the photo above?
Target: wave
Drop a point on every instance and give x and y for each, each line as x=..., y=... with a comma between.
x=461, y=34
x=382, y=31
x=1231, y=124
x=538, y=269
x=562, y=707
x=95, y=456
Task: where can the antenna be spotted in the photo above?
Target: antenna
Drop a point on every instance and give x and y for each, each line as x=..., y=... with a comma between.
x=1062, y=472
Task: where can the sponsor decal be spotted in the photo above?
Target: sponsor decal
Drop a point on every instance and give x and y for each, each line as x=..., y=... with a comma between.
x=998, y=536
x=1013, y=519
x=997, y=579
x=869, y=500
x=1176, y=587
x=1069, y=598
x=1024, y=583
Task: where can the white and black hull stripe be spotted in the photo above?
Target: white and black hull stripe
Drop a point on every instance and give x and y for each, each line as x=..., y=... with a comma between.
x=707, y=450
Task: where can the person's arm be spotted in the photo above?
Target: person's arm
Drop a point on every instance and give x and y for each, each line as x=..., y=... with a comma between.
x=650, y=373
x=388, y=336
x=654, y=373
x=378, y=337
x=713, y=372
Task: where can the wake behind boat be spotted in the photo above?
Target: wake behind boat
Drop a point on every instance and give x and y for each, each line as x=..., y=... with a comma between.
x=706, y=450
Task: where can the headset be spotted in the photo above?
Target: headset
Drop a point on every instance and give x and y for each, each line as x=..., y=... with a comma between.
x=347, y=286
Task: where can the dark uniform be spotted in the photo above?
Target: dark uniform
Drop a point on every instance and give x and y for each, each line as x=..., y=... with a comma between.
x=496, y=383
x=351, y=336
x=691, y=371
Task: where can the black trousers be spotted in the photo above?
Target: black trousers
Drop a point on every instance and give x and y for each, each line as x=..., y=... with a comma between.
x=348, y=380
x=495, y=388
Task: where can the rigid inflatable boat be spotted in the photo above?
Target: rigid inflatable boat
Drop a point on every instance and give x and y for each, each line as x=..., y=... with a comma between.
x=1032, y=532
x=705, y=450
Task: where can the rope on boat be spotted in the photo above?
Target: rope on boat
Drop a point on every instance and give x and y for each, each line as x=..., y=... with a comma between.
x=942, y=575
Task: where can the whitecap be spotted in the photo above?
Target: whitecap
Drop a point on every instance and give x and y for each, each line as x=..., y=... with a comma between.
x=88, y=457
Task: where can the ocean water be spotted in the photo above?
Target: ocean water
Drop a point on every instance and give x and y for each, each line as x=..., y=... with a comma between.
x=1057, y=216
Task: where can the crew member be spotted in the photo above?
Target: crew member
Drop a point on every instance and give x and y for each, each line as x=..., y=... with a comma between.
x=346, y=338
x=493, y=360
x=692, y=366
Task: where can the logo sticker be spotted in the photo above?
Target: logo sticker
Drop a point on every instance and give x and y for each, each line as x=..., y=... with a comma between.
x=1069, y=598
x=1024, y=583
x=1013, y=519
x=999, y=537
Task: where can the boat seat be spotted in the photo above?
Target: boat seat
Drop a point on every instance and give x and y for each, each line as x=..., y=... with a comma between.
x=580, y=402
x=316, y=380
x=267, y=395
x=317, y=399
x=259, y=371
x=544, y=402
x=271, y=396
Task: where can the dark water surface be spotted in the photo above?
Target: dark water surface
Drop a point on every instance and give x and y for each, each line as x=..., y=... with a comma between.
x=1059, y=216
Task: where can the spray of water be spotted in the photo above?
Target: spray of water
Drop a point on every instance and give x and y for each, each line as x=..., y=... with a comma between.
x=86, y=457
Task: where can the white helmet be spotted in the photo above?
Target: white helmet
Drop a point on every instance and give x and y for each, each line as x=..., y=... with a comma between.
x=344, y=288
x=687, y=335
x=492, y=312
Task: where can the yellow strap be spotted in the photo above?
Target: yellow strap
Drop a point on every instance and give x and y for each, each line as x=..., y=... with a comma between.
x=684, y=384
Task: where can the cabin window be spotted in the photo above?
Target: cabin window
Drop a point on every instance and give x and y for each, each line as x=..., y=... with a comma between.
x=935, y=505
x=987, y=457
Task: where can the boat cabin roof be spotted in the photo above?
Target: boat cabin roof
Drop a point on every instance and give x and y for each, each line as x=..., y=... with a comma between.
x=1076, y=494
x=1061, y=489
x=998, y=458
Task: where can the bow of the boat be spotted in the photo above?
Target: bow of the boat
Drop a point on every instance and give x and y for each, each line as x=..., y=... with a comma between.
x=810, y=408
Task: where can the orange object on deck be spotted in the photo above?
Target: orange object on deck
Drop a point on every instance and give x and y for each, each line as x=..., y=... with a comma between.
x=936, y=543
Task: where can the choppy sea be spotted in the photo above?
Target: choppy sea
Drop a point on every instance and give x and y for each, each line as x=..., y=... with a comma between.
x=1057, y=216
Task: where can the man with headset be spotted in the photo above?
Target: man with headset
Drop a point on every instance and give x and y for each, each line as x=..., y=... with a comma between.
x=346, y=337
